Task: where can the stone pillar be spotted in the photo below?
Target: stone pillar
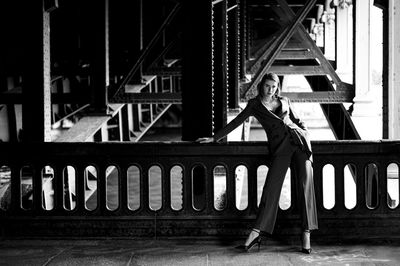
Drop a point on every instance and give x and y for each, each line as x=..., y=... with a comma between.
x=365, y=107
x=344, y=34
x=394, y=70
x=328, y=18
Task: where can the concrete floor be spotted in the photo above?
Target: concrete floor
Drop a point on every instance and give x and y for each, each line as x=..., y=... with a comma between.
x=187, y=252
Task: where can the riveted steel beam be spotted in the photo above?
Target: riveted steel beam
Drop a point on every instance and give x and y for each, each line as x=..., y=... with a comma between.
x=173, y=98
x=326, y=97
x=164, y=71
x=298, y=70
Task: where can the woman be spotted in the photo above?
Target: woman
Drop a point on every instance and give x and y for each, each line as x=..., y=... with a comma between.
x=289, y=145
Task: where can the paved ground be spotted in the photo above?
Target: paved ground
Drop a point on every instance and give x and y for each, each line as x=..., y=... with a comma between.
x=186, y=252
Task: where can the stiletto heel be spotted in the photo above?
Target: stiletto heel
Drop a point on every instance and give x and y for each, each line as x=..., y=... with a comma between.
x=303, y=249
x=255, y=241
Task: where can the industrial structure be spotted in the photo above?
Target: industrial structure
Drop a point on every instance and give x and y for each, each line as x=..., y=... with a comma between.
x=83, y=82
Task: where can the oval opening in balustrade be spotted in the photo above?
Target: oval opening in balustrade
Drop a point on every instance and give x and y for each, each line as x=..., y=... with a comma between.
x=90, y=188
x=155, y=188
x=285, y=199
x=198, y=187
x=241, y=186
x=176, y=183
x=328, y=186
x=219, y=174
x=69, y=177
x=371, y=185
x=112, y=187
x=392, y=173
x=133, y=176
x=5, y=187
x=26, y=177
x=47, y=188
x=262, y=172
x=350, y=186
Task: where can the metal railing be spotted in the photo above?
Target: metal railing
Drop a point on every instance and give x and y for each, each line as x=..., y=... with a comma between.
x=188, y=189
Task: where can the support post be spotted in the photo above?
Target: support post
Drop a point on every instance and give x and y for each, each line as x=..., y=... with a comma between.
x=36, y=94
x=394, y=70
x=197, y=103
x=99, y=56
x=365, y=107
x=233, y=56
x=220, y=58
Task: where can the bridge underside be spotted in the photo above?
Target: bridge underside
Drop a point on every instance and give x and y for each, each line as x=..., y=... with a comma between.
x=205, y=57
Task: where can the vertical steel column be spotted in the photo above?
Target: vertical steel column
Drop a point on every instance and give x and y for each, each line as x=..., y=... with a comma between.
x=36, y=107
x=220, y=58
x=233, y=55
x=197, y=70
x=243, y=37
x=138, y=44
x=99, y=60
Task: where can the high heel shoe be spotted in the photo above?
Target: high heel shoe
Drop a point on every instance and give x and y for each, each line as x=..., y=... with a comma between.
x=255, y=241
x=303, y=249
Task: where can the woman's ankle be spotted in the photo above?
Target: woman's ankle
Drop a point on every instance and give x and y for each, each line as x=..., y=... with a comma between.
x=306, y=239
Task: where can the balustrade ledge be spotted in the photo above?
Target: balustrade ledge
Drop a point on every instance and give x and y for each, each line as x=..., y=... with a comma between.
x=120, y=149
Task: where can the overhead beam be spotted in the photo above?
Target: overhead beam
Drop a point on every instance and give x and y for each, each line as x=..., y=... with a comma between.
x=326, y=97
x=278, y=45
x=303, y=34
x=298, y=70
x=295, y=55
x=164, y=71
x=121, y=84
x=136, y=98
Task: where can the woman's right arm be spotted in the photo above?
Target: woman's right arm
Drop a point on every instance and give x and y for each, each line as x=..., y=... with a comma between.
x=239, y=119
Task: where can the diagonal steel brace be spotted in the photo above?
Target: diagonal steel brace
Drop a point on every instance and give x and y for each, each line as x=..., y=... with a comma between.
x=279, y=44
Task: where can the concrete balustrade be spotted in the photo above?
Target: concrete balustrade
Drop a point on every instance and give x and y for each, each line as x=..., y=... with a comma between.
x=190, y=189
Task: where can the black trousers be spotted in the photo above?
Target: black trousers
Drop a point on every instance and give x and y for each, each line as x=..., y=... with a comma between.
x=290, y=155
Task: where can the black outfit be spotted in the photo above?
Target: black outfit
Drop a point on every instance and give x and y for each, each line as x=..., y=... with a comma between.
x=289, y=145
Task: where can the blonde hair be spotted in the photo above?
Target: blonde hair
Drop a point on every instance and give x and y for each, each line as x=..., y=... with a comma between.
x=269, y=76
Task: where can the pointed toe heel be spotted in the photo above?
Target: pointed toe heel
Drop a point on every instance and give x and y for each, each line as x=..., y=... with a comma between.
x=306, y=250
x=257, y=241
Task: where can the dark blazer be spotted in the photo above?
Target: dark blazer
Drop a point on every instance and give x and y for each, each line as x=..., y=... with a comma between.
x=276, y=125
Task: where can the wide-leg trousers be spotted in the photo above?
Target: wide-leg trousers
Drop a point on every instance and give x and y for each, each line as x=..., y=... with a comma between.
x=290, y=156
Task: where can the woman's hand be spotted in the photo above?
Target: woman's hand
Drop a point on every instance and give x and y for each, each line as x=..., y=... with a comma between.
x=205, y=140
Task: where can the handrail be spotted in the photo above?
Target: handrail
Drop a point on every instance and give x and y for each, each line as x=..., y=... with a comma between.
x=145, y=51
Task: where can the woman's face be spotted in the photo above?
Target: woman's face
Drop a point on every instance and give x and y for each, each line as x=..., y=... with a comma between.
x=269, y=87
